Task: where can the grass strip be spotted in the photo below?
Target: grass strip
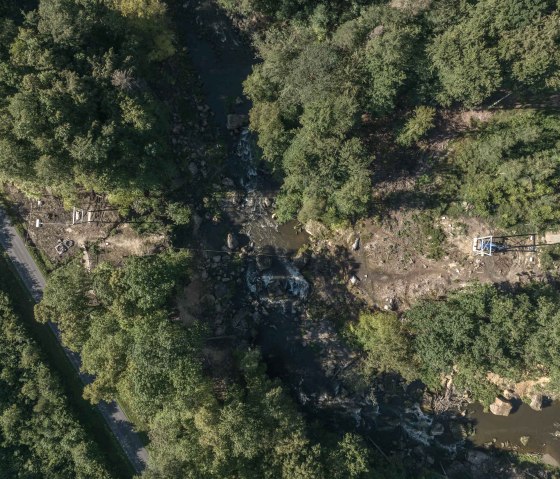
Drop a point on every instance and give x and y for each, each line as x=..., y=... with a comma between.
x=43, y=262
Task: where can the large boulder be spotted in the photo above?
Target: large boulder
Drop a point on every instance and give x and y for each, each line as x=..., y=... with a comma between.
x=232, y=242
x=537, y=402
x=550, y=460
x=437, y=429
x=501, y=407
x=264, y=262
x=316, y=229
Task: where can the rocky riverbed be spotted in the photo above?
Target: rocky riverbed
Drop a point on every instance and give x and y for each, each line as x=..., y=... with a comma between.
x=276, y=287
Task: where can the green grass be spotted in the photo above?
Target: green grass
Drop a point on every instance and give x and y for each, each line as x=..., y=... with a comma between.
x=140, y=426
x=54, y=356
x=43, y=262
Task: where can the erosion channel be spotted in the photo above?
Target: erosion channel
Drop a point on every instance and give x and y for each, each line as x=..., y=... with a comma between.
x=255, y=276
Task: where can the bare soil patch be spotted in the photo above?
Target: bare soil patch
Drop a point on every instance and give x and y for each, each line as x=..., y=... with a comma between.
x=394, y=272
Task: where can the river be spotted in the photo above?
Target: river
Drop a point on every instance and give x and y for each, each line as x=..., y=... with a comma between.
x=223, y=60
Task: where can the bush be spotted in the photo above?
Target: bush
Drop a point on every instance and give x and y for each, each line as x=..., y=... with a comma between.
x=421, y=121
x=467, y=335
x=383, y=337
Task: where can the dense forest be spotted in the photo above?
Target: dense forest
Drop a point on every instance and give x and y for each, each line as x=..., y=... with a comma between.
x=332, y=74
x=78, y=108
x=342, y=92
x=508, y=170
x=39, y=435
x=337, y=85
x=120, y=320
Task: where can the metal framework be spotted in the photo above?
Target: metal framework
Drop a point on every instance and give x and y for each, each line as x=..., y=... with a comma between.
x=77, y=216
x=489, y=245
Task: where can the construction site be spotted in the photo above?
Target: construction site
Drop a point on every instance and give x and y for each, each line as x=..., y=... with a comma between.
x=90, y=230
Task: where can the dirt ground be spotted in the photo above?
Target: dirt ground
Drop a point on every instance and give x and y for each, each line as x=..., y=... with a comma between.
x=392, y=271
x=103, y=238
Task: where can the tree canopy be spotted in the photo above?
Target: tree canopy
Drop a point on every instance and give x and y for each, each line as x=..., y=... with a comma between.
x=121, y=321
x=39, y=435
x=330, y=72
x=467, y=335
x=508, y=169
x=78, y=108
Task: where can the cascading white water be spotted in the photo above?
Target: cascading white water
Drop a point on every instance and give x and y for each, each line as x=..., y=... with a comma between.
x=417, y=425
x=263, y=231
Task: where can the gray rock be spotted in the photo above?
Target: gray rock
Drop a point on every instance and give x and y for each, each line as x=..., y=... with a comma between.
x=509, y=394
x=458, y=431
x=193, y=168
x=501, y=407
x=356, y=244
x=221, y=290
x=263, y=262
x=537, y=402
x=477, y=458
x=196, y=222
x=437, y=429
x=550, y=460
x=524, y=440
x=316, y=229
x=232, y=242
x=208, y=299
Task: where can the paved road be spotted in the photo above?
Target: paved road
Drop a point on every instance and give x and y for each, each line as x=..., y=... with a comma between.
x=35, y=281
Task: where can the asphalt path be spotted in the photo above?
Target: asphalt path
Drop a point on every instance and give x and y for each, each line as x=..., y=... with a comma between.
x=35, y=282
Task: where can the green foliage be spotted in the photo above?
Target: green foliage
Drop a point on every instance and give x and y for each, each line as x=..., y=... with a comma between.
x=549, y=258
x=66, y=301
x=321, y=14
x=388, y=57
x=385, y=340
x=421, y=121
x=39, y=436
x=325, y=68
x=179, y=213
x=305, y=122
x=149, y=17
x=509, y=170
x=469, y=334
x=77, y=108
x=425, y=234
x=484, y=329
x=495, y=43
x=138, y=354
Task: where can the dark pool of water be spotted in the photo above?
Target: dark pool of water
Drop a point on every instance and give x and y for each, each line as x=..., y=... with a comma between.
x=540, y=426
x=219, y=54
